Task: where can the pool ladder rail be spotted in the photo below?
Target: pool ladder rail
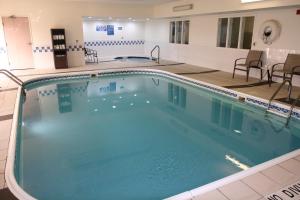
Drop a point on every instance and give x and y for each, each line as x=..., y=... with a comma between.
x=289, y=115
x=14, y=78
x=158, y=53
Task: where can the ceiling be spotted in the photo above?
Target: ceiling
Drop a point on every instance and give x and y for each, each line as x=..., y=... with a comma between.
x=146, y=2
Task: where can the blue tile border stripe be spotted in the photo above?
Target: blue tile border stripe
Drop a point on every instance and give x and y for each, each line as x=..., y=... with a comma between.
x=216, y=89
x=275, y=107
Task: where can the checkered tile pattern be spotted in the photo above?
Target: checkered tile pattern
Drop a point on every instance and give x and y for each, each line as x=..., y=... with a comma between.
x=75, y=90
x=46, y=49
x=48, y=92
x=43, y=49
x=80, y=89
x=2, y=50
x=75, y=48
x=114, y=43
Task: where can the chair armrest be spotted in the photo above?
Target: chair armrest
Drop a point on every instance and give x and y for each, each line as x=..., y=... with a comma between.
x=294, y=68
x=235, y=62
x=275, y=66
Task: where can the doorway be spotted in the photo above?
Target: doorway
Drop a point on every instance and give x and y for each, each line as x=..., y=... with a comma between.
x=18, y=42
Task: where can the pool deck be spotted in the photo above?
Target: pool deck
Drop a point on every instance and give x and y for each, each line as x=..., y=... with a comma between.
x=254, y=187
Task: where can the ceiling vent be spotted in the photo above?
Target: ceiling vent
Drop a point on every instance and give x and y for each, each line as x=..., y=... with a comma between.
x=183, y=7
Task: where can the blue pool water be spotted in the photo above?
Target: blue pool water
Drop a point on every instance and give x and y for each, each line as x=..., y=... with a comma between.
x=139, y=59
x=138, y=137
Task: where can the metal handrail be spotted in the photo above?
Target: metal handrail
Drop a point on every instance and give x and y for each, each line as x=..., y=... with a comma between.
x=291, y=110
x=279, y=88
x=158, y=53
x=12, y=77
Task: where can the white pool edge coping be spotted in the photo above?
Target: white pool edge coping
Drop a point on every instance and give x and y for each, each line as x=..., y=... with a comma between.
x=22, y=195
x=9, y=170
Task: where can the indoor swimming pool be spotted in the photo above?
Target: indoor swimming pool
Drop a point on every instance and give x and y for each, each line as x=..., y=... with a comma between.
x=136, y=135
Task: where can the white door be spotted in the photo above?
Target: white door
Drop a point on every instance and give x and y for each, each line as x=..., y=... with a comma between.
x=18, y=42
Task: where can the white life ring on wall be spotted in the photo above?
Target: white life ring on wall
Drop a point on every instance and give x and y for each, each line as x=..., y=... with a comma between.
x=270, y=31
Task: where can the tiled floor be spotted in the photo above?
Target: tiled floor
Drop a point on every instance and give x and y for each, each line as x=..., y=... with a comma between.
x=254, y=187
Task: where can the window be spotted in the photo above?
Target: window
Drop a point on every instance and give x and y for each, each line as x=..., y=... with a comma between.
x=222, y=32
x=247, y=32
x=179, y=32
x=172, y=32
x=235, y=32
x=186, y=32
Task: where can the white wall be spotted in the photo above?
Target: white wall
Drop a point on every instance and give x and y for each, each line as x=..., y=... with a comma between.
x=217, y=6
x=202, y=49
x=44, y=15
x=125, y=42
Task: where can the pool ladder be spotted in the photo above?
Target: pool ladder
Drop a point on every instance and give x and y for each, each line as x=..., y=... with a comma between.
x=289, y=115
x=14, y=78
x=158, y=53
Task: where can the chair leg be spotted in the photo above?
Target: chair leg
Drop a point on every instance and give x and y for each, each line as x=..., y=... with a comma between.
x=233, y=72
x=261, y=74
x=247, y=76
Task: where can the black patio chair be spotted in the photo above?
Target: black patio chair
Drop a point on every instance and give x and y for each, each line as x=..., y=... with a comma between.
x=253, y=60
x=288, y=69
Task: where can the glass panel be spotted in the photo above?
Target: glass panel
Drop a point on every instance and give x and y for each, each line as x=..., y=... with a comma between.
x=234, y=32
x=178, y=32
x=186, y=32
x=172, y=32
x=247, y=33
x=222, y=32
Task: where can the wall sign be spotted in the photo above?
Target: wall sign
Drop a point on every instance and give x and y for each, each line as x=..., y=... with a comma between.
x=110, y=30
x=101, y=28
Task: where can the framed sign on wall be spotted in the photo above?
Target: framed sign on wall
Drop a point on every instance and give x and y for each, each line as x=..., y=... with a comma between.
x=101, y=28
x=110, y=30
